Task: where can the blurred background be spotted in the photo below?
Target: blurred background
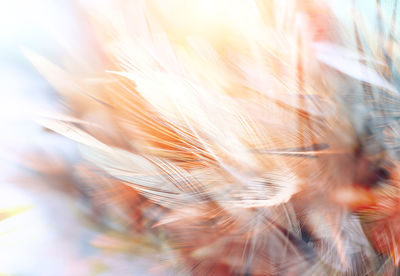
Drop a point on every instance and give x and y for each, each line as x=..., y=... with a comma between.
x=29, y=243
x=38, y=234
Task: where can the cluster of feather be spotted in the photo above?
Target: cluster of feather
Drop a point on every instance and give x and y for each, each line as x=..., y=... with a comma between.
x=239, y=137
